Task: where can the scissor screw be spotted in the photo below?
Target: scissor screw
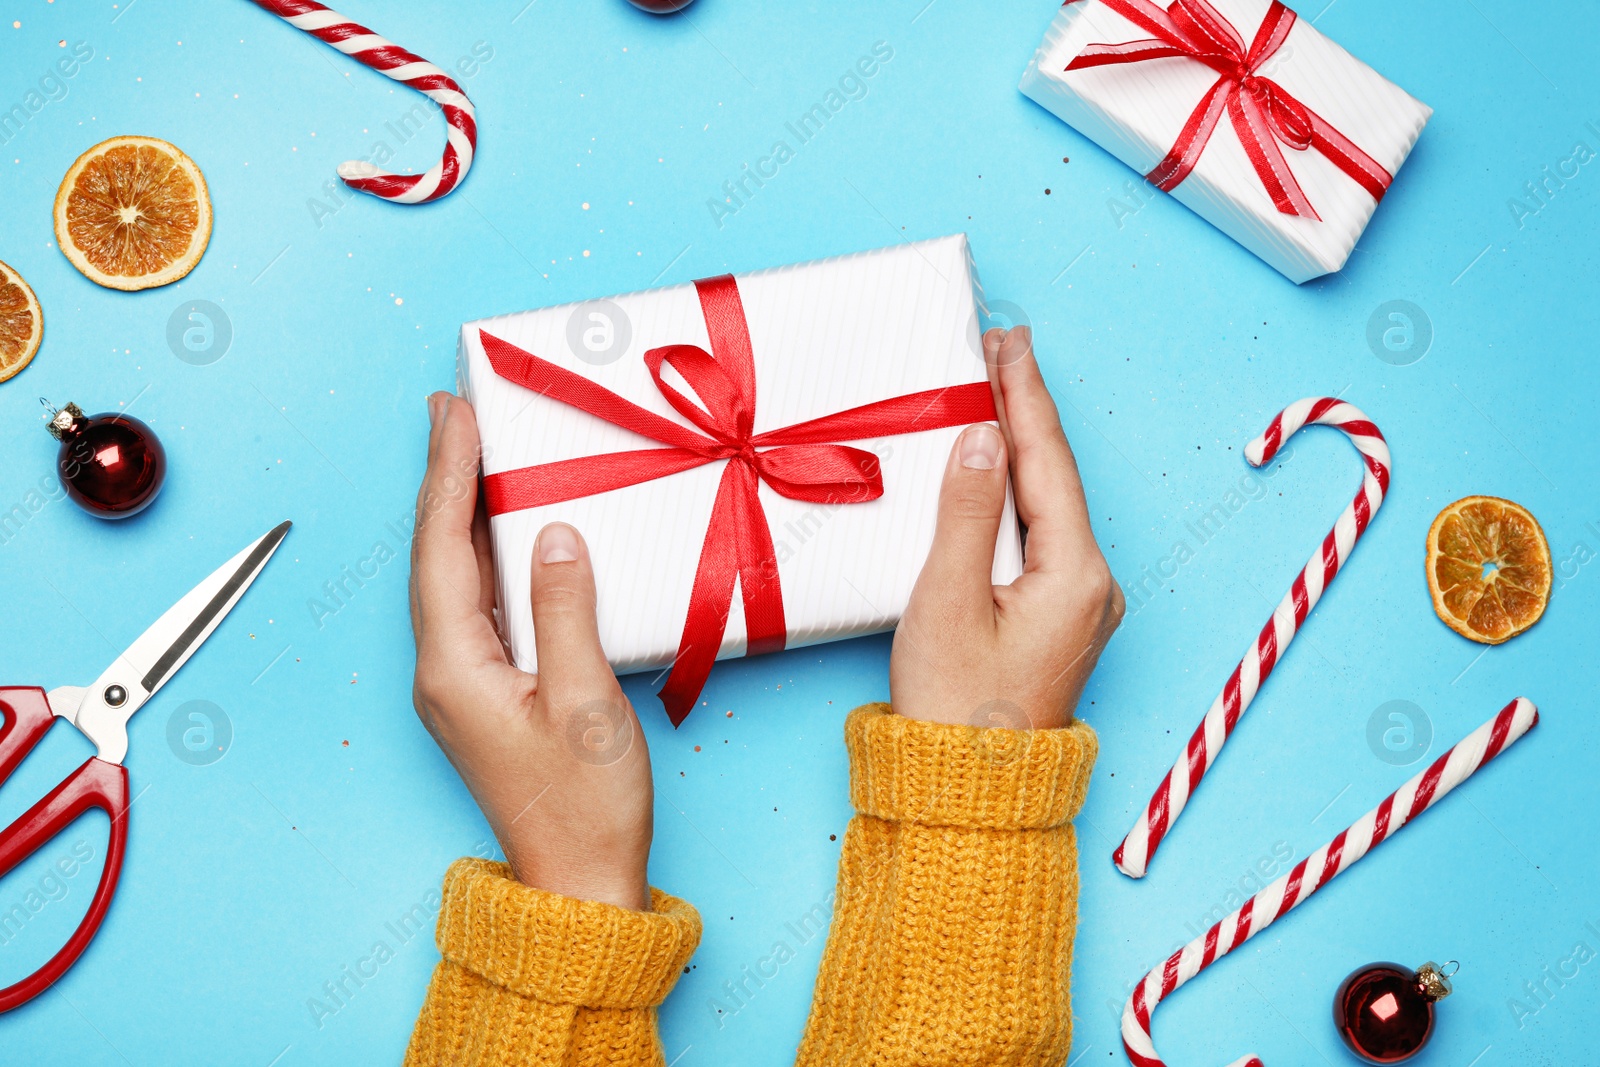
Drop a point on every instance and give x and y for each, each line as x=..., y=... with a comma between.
x=116, y=696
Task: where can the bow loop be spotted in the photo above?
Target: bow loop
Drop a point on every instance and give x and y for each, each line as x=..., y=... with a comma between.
x=727, y=415
x=822, y=474
x=1291, y=120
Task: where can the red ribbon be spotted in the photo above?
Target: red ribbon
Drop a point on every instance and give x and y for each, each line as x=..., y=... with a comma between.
x=800, y=462
x=1263, y=112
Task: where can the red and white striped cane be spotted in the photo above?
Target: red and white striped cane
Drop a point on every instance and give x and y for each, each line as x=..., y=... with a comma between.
x=1133, y=855
x=1316, y=871
x=392, y=61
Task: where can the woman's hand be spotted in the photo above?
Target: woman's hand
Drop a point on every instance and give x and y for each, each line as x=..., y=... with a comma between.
x=555, y=760
x=1018, y=655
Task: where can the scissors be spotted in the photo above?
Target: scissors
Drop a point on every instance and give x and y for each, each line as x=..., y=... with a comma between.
x=101, y=712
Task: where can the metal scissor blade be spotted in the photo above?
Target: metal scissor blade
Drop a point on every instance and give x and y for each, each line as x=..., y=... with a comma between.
x=190, y=621
x=166, y=646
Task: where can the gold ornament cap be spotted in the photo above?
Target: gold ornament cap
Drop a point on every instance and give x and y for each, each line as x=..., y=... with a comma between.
x=1434, y=981
x=62, y=420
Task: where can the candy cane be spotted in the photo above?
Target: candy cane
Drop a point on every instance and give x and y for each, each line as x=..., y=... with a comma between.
x=1269, y=905
x=392, y=61
x=1133, y=855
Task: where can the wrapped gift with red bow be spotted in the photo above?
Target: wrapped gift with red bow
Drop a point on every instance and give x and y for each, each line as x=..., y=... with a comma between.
x=1238, y=108
x=754, y=460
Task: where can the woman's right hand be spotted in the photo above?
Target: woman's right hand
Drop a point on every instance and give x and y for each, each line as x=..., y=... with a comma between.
x=556, y=760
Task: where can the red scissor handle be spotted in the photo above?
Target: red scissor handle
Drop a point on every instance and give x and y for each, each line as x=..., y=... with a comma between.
x=96, y=784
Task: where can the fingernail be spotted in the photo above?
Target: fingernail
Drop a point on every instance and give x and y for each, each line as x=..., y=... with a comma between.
x=1023, y=335
x=980, y=447
x=558, y=543
x=433, y=409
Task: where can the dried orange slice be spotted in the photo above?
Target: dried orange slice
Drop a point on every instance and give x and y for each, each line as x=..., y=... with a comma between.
x=1488, y=568
x=21, y=323
x=133, y=213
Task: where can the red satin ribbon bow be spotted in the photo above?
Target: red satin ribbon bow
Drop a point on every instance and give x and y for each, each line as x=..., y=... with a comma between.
x=1263, y=112
x=800, y=462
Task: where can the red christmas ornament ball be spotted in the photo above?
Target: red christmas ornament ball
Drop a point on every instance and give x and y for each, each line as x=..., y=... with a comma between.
x=111, y=465
x=661, y=7
x=1384, y=1011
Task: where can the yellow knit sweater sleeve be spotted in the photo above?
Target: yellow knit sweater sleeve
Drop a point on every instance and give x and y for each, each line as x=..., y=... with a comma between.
x=951, y=941
x=534, y=979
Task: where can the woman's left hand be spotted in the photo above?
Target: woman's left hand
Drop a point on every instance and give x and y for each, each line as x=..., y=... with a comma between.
x=971, y=652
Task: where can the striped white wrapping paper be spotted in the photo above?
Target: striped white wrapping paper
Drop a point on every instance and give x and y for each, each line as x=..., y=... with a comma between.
x=827, y=336
x=1136, y=111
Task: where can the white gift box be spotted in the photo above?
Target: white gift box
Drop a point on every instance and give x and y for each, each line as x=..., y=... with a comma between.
x=826, y=337
x=1137, y=111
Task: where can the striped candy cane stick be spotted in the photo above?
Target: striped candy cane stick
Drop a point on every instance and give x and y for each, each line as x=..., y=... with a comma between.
x=1133, y=855
x=1316, y=871
x=392, y=61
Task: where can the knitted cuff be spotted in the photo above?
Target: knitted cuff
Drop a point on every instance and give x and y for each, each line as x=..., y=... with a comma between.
x=906, y=770
x=559, y=950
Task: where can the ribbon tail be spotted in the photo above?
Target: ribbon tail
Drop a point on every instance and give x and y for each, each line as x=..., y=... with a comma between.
x=1261, y=146
x=738, y=545
x=1185, y=152
x=765, y=626
x=709, y=600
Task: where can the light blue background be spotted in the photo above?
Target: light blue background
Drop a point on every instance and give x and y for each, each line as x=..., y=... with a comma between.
x=253, y=881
